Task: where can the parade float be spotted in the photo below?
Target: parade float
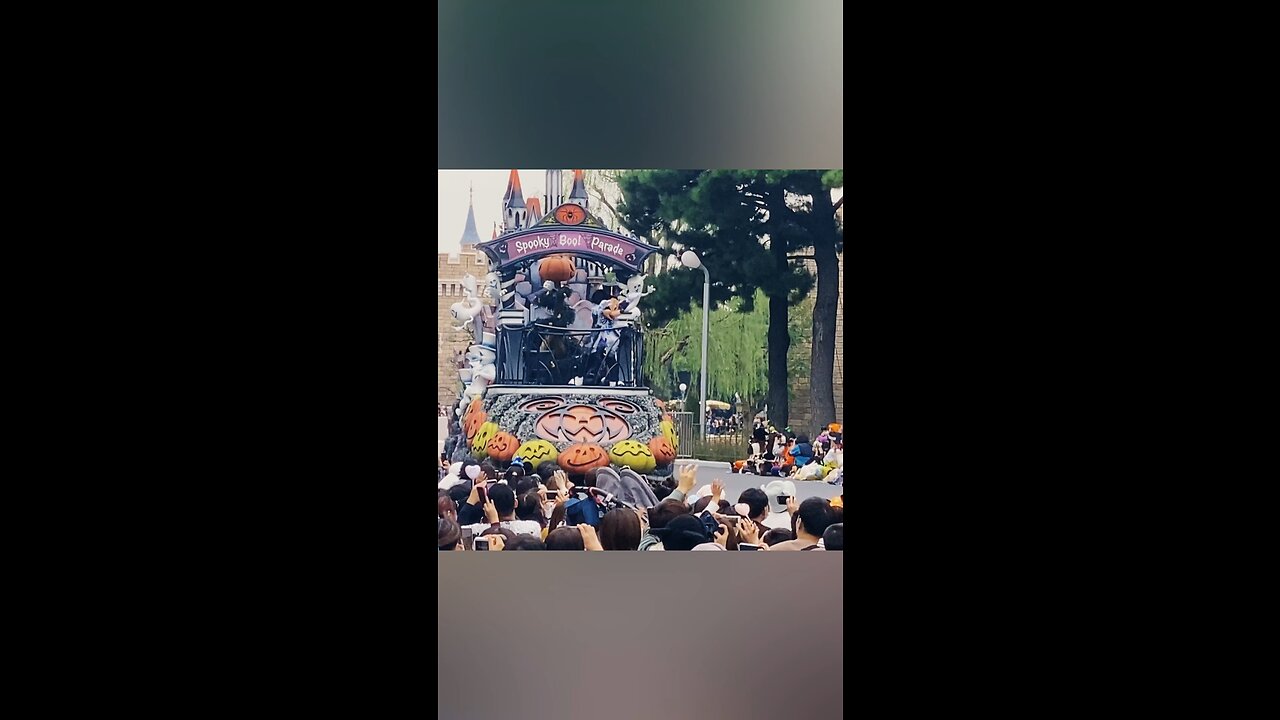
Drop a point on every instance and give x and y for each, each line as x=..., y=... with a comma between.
x=554, y=369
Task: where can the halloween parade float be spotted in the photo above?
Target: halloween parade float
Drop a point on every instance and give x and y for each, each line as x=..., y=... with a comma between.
x=554, y=370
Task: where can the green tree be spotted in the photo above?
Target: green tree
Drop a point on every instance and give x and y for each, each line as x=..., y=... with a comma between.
x=743, y=224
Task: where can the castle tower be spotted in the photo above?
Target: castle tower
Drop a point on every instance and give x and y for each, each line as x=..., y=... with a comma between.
x=555, y=190
x=513, y=207
x=578, y=195
x=534, y=206
x=469, y=235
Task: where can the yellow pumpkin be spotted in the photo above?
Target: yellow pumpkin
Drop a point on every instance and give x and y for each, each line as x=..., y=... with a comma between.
x=535, y=452
x=633, y=454
x=483, y=436
x=669, y=432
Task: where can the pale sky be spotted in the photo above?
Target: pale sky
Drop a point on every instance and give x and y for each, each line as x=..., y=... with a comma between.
x=452, y=187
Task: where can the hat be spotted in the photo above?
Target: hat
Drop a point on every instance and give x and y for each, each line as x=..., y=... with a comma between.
x=684, y=532
x=700, y=493
x=776, y=488
x=708, y=546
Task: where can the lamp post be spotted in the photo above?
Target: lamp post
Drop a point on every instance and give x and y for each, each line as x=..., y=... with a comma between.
x=690, y=259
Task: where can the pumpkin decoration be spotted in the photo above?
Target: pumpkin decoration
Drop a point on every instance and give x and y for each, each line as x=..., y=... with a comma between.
x=473, y=422
x=580, y=423
x=535, y=452
x=633, y=454
x=581, y=457
x=483, y=436
x=668, y=429
x=833, y=427
x=502, y=446
x=556, y=268
x=663, y=453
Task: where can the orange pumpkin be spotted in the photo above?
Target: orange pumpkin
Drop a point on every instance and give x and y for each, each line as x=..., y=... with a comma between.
x=581, y=457
x=502, y=446
x=474, y=421
x=556, y=268
x=662, y=451
x=474, y=407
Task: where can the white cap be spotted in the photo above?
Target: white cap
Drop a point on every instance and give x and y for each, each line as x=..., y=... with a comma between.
x=776, y=488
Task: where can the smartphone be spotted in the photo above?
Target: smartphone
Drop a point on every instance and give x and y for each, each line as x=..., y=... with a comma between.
x=783, y=499
x=482, y=543
x=745, y=546
x=468, y=536
x=709, y=523
x=483, y=494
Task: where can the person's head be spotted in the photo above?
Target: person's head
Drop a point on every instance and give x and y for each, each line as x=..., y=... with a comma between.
x=701, y=504
x=682, y=533
x=802, y=439
x=666, y=511
x=504, y=500
x=565, y=538
x=490, y=470
x=620, y=530
x=524, y=485
x=833, y=537
x=529, y=507
x=448, y=534
x=460, y=492
x=837, y=514
x=547, y=471
x=525, y=542
x=507, y=535
x=589, y=478
x=446, y=508
x=757, y=502
x=813, y=517
x=777, y=535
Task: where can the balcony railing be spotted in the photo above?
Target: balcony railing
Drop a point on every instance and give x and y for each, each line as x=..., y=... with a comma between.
x=539, y=354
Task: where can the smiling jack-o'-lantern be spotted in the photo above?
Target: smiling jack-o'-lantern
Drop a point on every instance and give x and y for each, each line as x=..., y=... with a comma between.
x=502, y=446
x=562, y=421
x=473, y=422
x=535, y=452
x=633, y=454
x=556, y=268
x=663, y=453
x=483, y=436
x=581, y=457
x=668, y=429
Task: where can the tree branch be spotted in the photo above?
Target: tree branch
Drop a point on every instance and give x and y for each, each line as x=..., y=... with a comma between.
x=801, y=257
x=838, y=204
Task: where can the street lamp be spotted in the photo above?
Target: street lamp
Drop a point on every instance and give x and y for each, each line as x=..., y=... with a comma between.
x=690, y=259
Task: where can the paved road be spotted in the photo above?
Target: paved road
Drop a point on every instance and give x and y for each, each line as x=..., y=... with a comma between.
x=734, y=484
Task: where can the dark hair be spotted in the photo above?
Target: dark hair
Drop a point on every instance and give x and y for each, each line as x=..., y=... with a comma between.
x=777, y=535
x=513, y=474
x=837, y=515
x=441, y=492
x=756, y=500
x=460, y=492
x=448, y=534
x=444, y=504
x=530, y=508
x=525, y=542
x=620, y=530
x=802, y=439
x=504, y=499
x=490, y=470
x=576, y=478
x=666, y=511
x=507, y=535
x=682, y=533
x=701, y=504
x=524, y=485
x=589, y=478
x=546, y=469
x=815, y=513
x=565, y=538
x=725, y=508
x=833, y=538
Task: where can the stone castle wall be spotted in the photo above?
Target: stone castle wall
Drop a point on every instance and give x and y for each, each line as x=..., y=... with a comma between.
x=449, y=272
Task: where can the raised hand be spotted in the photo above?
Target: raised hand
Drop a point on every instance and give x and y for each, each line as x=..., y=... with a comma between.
x=496, y=542
x=590, y=540
x=490, y=512
x=688, y=476
x=750, y=533
x=717, y=489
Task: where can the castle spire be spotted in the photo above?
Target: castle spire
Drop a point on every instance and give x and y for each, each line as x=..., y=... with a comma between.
x=513, y=207
x=578, y=195
x=469, y=234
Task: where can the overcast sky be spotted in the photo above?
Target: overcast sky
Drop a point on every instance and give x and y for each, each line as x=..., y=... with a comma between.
x=452, y=189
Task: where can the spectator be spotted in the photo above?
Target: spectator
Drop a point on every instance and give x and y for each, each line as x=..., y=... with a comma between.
x=498, y=511
x=803, y=451
x=777, y=535
x=833, y=538
x=673, y=506
x=446, y=507
x=620, y=530
x=682, y=533
x=504, y=536
x=812, y=518
x=754, y=505
x=448, y=535
x=578, y=537
x=525, y=542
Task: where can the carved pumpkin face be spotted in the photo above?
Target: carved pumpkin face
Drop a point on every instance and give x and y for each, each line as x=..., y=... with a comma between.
x=502, y=446
x=669, y=432
x=483, y=436
x=536, y=452
x=633, y=454
x=473, y=422
x=582, y=457
x=557, y=268
x=663, y=453
x=579, y=423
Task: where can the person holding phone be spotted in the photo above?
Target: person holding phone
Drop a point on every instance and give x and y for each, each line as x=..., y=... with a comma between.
x=813, y=517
